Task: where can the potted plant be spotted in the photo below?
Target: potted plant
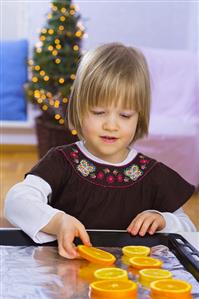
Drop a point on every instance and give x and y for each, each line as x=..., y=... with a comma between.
x=53, y=68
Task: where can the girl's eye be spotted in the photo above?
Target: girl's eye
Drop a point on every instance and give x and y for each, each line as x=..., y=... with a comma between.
x=97, y=112
x=125, y=115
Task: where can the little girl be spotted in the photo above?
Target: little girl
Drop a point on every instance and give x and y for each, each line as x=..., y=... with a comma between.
x=101, y=182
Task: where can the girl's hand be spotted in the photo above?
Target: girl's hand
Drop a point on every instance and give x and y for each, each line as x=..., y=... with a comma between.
x=69, y=228
x=146, y=222
x=66, y=228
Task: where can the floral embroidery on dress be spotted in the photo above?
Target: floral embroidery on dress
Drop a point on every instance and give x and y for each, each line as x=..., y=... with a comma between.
x=110, y=179
x=100, y=175
x=85, y=167
x=133, y=172
x=108, y=174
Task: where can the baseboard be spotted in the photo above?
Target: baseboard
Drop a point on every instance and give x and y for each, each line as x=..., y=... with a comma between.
x=20, y=132
x=8, y=148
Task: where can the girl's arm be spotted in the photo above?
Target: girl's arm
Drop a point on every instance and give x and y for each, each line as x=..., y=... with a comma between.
x=177, y=221
x=26, y=207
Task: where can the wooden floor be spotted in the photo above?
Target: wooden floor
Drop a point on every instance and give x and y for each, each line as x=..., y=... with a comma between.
x=15, y=163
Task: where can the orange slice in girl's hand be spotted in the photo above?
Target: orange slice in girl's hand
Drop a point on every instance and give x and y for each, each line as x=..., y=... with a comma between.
x=171, y=288
x=113, y=289
x=96, y=255
x=111, y=274
x=145, y=262
x=131, y=251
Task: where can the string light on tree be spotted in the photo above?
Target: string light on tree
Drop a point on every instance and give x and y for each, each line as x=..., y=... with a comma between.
x=75, y=47
x=43, y=96
x=50, y=48
x=78, y=33
x=56, y=104
x=39, y=101
x=51, y=102
x=61, y=80
x=61, y=27
x=72, y=76
x=42, y=38
x=42, y=73
x=58, y=60
x=65, y=100
x=37, y=94
x=38, y=50
x=34, y=79
x=44, y=107
x=74, y=132
x=46, y=78
x=72, y=12
x=54, y=8
x=37, y=68
x=62, y=18
x=57, y=116
x=54, y=53
x=51, y=31
x=44, y=31
x=63, y=10
x=49, y=94
x=61, y=121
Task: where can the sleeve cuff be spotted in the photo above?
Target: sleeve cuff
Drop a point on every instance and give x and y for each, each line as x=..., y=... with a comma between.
x=40, y=237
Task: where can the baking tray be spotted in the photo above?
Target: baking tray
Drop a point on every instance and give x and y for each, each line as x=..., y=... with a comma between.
x=178, y=245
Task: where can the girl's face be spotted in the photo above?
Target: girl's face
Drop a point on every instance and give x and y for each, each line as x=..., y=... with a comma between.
x=108, y=131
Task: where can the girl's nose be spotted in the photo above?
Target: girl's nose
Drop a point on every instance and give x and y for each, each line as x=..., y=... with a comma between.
x=110, y=124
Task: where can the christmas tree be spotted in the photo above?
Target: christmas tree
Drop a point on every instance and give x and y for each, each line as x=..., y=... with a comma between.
x=55, y=59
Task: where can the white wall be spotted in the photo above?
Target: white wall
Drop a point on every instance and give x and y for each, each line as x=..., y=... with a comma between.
x=160, y=24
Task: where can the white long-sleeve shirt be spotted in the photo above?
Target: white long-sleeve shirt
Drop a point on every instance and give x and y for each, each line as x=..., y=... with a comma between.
x=26, y=206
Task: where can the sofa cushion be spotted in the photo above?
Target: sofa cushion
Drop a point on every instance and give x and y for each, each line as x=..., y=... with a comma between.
x=174, y=76
x=13, y=75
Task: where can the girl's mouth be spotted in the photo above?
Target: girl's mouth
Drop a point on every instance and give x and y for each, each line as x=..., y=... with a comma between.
x=108, y=139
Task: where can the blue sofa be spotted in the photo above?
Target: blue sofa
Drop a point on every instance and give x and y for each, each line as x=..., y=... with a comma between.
x=13, y=75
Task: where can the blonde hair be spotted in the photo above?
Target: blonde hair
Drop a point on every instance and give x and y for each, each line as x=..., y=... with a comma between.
x=111, y=73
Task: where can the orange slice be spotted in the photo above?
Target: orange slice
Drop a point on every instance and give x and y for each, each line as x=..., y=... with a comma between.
x=171, y=288
x=131, y=251
x=114, y=289
x=125, y=260
x=146, y=276
x=86, y=272
x=111, y=273
x=96, y=255
x=145, y=262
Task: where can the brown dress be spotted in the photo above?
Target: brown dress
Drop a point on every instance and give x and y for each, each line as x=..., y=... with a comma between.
x=109, y=197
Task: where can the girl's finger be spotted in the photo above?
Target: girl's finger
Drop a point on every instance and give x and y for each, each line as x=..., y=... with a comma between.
x=131, y=225
x=136, y=225
x=61, y=249
x=139, y=217
x=68, y=246
x=146, y=225
x=153, y=228
x=82, y=233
